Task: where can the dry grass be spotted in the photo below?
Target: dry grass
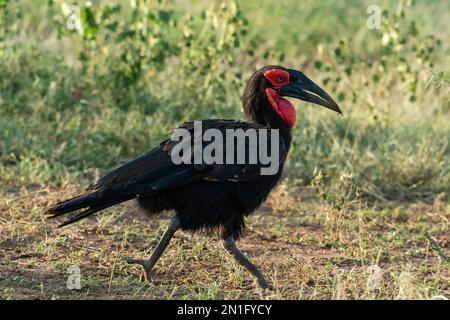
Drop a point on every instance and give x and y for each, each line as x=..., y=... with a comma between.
x=308, y=250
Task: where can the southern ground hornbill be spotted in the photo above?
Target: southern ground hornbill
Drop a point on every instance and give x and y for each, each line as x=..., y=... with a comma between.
x=203, y=196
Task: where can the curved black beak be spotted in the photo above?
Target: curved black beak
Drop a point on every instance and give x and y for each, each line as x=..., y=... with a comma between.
x=303, y=88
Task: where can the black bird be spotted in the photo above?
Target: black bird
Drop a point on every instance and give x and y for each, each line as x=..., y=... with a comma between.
x=208, y=196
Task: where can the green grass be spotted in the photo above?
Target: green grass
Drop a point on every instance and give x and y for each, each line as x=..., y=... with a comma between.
x=72, y=106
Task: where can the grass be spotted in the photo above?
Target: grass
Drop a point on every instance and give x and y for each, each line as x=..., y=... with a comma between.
x=309, y=251
x=75, y=104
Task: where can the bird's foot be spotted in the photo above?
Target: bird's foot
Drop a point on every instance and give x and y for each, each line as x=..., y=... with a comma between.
x=264, y=284
x=146, y=268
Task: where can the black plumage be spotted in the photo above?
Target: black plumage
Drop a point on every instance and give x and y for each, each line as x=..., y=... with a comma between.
x=204, y=196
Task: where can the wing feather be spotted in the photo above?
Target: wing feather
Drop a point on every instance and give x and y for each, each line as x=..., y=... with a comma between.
x=155, y=170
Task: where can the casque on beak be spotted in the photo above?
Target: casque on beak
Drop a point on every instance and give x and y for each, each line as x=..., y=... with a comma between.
x=303, y=88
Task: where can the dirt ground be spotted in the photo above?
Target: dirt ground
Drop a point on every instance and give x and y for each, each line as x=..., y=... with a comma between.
x=306, y=248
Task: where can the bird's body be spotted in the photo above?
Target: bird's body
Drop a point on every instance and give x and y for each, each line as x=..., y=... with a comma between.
x=223, y=206
x=203, y=196
x=206, y=195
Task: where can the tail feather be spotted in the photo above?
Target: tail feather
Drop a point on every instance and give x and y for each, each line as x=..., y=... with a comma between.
x=92, y=202
x=67, y=206
x=82, y=215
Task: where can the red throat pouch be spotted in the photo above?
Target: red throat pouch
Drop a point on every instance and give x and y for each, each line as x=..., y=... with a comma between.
x=283, y=107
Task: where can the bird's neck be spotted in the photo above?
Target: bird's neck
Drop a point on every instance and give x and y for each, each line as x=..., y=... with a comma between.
x=260, y=111
x=284, y=130
x=265, y=112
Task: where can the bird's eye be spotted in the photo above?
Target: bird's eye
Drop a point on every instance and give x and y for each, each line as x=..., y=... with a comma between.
x=280, y=78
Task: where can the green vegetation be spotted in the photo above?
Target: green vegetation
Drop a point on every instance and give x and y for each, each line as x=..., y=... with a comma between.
x=80, y=96
x=116, y=88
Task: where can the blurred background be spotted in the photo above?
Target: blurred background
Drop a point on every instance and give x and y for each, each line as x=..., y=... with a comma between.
x=85, y=86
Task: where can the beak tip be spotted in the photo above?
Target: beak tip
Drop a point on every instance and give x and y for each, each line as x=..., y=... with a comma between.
x=337, y=109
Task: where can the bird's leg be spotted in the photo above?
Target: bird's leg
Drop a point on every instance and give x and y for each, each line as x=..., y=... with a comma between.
x=230, y=245
x=158, y=251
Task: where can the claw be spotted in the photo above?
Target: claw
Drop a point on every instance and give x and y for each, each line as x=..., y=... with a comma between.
x=146, y=270
x=265, y=285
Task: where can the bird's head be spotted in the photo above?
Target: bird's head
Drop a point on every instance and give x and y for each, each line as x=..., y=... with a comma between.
x=263, y=97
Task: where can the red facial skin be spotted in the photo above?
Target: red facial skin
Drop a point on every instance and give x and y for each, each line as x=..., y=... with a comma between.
x=283, y=107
